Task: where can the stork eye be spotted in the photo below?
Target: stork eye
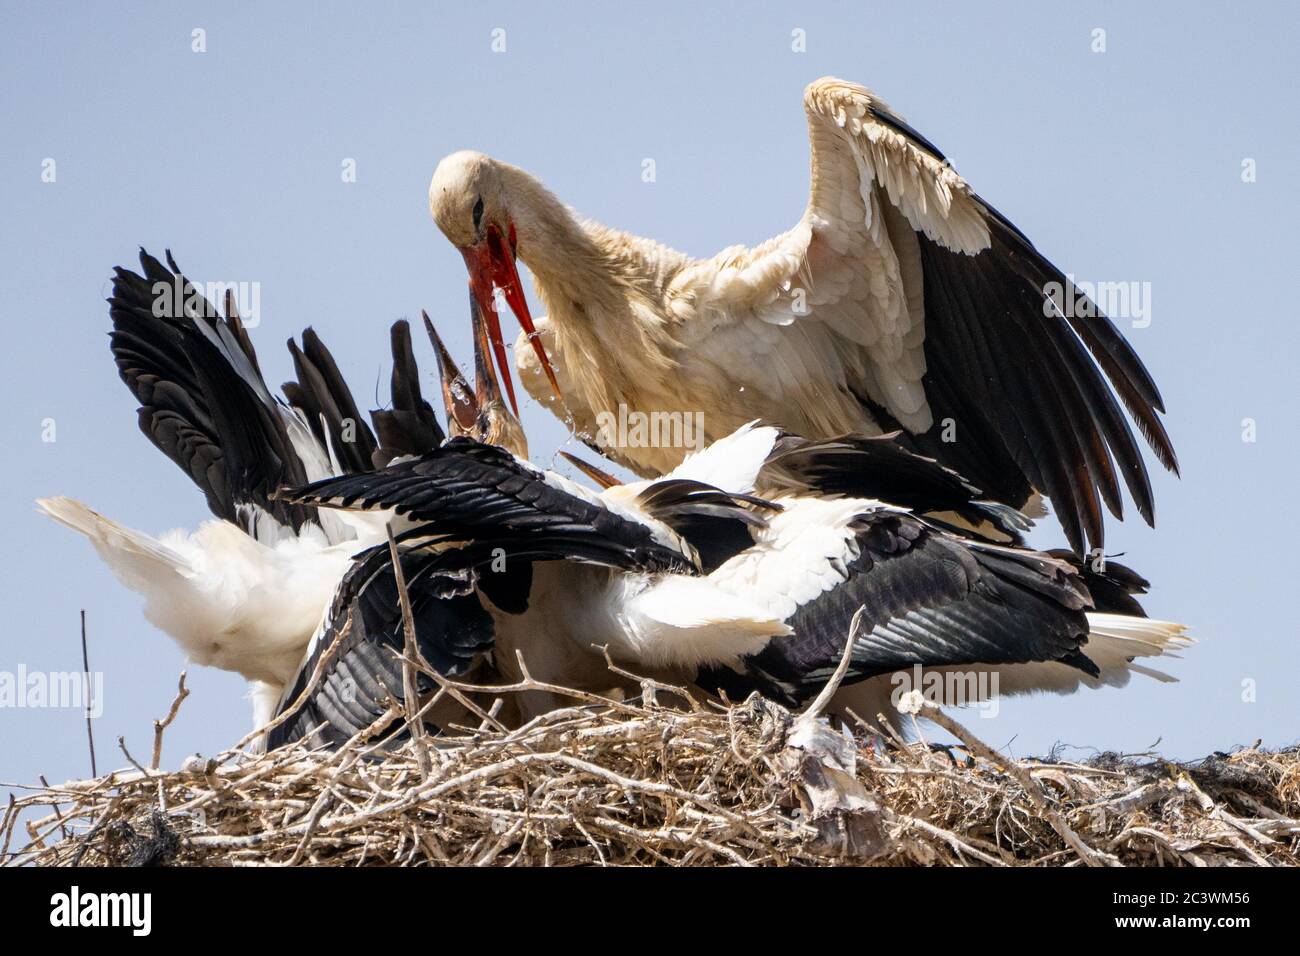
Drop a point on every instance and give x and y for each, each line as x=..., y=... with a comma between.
x=478, y=212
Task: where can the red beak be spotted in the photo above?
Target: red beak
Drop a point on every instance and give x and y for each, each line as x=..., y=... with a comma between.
x=491, y=264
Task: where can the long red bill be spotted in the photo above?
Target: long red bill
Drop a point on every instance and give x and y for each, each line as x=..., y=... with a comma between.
x=491, y=264
x=486, y=388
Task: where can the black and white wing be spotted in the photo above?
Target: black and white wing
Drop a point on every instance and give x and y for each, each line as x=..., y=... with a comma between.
x=471, y=492
x=926, y=597
x=203, y=402
x=881, y=468
x=467, y=505
x=904, y=289
x=357, y=649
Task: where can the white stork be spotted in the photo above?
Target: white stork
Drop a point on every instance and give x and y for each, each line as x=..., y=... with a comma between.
x=693, y=578
x=246, y=591
x=899, y=300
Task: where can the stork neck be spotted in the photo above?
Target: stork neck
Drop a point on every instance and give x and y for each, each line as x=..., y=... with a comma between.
x=599, y=286
x=569, y=260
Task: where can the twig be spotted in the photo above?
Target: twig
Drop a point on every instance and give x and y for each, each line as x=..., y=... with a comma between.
x=630, y=783
x=121, y=743
x=977, y=746
x=161, y=725
x=648, y=684
x=53, y=806
x=85, y=665
x=823, y=699
x=94, y=830
x=287, y=713
x=947, y=836
x=410, y=695
x=11, y=817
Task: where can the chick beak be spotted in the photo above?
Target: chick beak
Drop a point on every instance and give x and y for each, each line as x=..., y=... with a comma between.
x=487, y=387
x=457, y=396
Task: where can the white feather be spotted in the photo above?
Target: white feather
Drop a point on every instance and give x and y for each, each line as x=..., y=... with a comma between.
x=689, y=622
x=731, y=463
x=802, y=553
x=1114, y=640
x=229, y=601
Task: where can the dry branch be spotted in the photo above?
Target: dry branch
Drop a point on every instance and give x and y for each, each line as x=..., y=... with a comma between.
x=160, y=726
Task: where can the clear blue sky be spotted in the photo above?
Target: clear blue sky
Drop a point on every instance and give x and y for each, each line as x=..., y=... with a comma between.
x=1122, y=166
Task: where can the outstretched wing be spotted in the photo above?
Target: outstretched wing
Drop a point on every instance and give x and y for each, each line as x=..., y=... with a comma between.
x=881, y=468
x=469, y=491
x=408, y=426
x=203, y=402
x=902, y=290
x=925, y=597
x=358, y=646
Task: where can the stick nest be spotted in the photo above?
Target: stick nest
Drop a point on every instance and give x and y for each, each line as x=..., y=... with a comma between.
x=611, y=782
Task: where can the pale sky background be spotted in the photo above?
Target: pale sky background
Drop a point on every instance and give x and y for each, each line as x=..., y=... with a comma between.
x=1121, y=166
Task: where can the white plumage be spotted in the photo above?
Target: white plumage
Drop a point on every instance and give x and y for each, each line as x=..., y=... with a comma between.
x=230, y=601
x=246, y=591
x=898, y=297
x=773, y=615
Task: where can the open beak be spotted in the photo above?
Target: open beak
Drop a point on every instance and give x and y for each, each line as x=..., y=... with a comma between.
x=491, y=264
x=487, y=387
x=457, y=397
x=602, y=478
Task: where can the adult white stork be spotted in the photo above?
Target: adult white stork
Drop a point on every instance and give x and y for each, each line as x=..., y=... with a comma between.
x=696, y=579
x=244, y=592
x=900, y=300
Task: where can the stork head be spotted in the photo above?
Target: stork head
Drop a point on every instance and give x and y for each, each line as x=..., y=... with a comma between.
x=479, y=413
x=471, y=206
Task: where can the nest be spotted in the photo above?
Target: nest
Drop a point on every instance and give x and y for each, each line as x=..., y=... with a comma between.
x=668, y=780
